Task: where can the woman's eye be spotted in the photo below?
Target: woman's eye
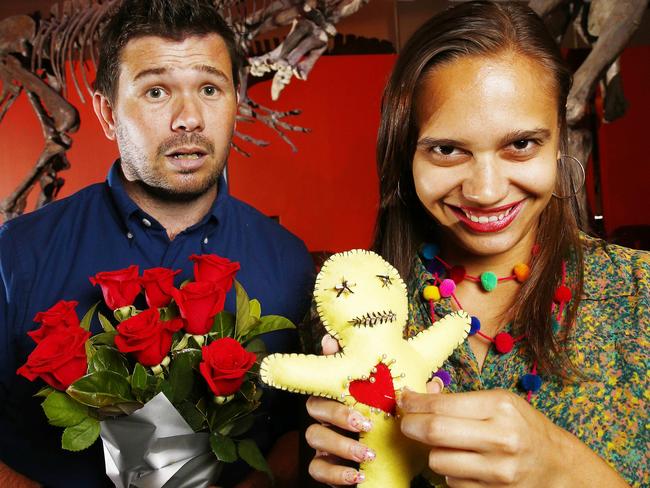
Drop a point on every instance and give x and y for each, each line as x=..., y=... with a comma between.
x=155, y=92
x=523, y=144
x=210, y=90
x=443, y=150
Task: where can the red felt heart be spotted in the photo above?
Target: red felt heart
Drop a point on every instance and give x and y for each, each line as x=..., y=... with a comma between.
x=380, y=393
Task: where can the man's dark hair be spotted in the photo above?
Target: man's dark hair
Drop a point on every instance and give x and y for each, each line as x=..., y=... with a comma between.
x=169, y=19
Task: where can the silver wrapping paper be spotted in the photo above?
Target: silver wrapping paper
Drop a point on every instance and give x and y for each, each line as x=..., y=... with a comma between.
x=155, y=448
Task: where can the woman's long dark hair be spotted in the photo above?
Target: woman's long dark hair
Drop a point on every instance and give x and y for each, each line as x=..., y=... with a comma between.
x=403, y=224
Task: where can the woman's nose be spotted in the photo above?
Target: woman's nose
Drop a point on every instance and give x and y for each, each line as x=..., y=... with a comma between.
x=486, y=184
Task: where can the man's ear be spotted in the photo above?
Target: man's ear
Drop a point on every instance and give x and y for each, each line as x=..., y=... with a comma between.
x=105, y=114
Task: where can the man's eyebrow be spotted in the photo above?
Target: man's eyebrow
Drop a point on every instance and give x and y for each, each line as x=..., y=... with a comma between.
x=204, y=68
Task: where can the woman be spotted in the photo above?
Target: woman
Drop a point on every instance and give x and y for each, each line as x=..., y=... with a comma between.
x=474, y=179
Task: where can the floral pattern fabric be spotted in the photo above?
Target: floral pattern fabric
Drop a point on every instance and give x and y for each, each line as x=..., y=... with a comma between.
x=610, y=344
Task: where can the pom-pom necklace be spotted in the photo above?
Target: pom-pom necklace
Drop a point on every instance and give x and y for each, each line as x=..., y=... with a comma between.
x=503, y=341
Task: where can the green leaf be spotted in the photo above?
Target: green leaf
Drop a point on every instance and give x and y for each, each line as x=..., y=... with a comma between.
x=223, y=447
x=139, y=377
x=257, y=346
x=181, y=374
x=81, y=436
x=125, y=313
x=248, y=390
x=63, y=411
x=108, y=359
x=106, y=324
x=243, y=311
x=85, y=321
x=255, y=309
x=242, y=425
x=44, y=392
x=101, y=389
x=224, y=325
x=104, y=339
x=90, y=351
x=270, y=323
x=250, y=453
x=192, y=416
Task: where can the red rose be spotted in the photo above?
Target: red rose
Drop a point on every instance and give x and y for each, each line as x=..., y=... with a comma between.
x=210, y=267
x=62, y=315
x=146, y=336
x=158, y=284
x=198, y=303
x=119, y=287
x=59, y=359
x=224, y=366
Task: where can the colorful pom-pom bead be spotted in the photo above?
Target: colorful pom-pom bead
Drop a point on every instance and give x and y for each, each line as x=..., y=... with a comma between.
x=556, y=325
x=489, y=281
x=457, y=273
x=444, y=376
x=435, y=267
x=447, y=288
x=503, y=342
x=521, y=271
x=531, y=382
x=562, y=294
x=430, y=251
x=431, y=292
x=475, y=326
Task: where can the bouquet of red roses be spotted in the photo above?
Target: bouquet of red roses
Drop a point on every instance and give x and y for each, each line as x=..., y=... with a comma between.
x=184, y=359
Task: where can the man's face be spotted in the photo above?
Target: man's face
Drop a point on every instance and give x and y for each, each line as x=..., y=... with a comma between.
x=174, y=114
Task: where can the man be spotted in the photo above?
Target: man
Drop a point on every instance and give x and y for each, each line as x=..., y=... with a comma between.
x=166, y=93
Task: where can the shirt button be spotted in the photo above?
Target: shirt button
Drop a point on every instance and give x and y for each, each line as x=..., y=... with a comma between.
x=205, y=241
x=146, y=222
x=129, y=235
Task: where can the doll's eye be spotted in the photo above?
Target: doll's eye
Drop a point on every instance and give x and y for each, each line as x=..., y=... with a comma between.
x=385, y=280
x=344, y=287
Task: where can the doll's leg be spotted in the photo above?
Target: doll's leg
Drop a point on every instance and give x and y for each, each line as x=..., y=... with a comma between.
x=398, y=460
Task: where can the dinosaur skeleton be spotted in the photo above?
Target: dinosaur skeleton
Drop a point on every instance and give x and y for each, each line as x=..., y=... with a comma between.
x=36, y=52
x=607, y=26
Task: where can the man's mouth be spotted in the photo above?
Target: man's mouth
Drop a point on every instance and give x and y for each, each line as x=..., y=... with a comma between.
x=189, y=153
x=487, y=219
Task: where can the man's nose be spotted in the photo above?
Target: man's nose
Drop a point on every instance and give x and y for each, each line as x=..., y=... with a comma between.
x=188, y=116
x=486, y=184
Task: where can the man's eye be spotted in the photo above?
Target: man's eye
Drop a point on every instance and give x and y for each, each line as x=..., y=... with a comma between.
x=210, y=90
x=155, y=92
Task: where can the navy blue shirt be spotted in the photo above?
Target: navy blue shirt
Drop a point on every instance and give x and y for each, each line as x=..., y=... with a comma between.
x=48, y=255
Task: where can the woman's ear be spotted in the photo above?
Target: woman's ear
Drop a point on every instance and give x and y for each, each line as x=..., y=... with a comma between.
x=105, y=115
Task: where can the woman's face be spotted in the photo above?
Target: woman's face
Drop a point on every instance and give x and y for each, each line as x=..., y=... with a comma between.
x=485, y=162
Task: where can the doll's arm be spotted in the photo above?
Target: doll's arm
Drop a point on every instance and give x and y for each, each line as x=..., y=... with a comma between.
x=436, y=343
x=308, y=374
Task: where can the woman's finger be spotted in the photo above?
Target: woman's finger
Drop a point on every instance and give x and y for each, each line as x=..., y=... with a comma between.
x=327, y=440
x=335, y=413
x=453, y=432
x=462, y=483
x=436, y=385
x=326, y=469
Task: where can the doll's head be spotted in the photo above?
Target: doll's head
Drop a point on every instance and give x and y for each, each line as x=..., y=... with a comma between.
x=360, y=289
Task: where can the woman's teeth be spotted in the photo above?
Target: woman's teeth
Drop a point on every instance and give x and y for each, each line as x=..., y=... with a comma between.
x=484, y=219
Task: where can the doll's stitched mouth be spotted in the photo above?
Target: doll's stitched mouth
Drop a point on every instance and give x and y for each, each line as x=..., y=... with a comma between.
x=374, y=318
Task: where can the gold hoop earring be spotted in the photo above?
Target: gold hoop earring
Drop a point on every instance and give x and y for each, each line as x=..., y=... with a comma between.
x=577, y=189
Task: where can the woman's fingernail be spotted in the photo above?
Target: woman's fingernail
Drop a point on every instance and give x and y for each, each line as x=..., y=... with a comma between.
x=359, y=422
x=353, y=477
x=436, y=385
x=362, y=453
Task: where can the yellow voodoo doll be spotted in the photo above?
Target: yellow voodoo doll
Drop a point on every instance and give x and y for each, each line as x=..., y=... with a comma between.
x=362, y=302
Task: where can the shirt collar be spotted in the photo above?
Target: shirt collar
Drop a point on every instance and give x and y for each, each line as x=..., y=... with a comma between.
x=126, y=207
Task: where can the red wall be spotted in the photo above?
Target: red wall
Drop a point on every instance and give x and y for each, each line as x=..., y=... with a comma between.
x=327, y=191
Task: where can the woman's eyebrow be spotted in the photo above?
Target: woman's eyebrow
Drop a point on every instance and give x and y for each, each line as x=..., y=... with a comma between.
x=430, y=141
x=518, y=135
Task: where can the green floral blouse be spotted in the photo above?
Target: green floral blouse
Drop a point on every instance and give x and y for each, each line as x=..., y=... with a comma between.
x=610, y=345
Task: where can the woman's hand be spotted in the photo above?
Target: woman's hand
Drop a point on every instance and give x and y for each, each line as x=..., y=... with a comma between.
x=333, y=448
x=489, y=438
